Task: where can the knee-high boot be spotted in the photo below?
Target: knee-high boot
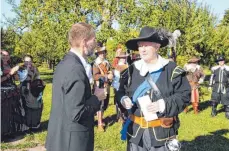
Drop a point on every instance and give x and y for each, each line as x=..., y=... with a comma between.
x=195, y=107
x=226, y=111
x=214, y=109
x=100, y=121
x=186, y=109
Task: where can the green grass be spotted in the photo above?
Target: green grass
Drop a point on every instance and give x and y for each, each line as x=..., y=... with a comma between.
x=197, y=132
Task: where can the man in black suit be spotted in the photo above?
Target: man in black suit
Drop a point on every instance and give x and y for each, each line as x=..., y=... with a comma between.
x=71, y=123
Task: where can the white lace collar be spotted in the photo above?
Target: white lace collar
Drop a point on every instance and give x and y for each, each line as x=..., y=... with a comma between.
x=144, y=67
x=222, y=67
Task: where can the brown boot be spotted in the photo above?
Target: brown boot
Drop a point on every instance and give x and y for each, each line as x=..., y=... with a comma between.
x=196, y=111
x=195, y=108
x=101, y=128
x=186, y=110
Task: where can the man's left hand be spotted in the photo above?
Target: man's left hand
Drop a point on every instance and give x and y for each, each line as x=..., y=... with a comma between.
x=158, y=106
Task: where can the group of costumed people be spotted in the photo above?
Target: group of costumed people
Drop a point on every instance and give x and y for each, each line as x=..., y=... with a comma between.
x=218, y=84
x=106, y=75
x=150, y=91
x=168, y=88
x=21, y=105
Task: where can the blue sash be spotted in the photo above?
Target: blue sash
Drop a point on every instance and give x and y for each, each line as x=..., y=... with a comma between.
x=139, y=92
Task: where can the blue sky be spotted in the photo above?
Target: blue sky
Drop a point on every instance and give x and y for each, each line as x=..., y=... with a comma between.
x=217, y=7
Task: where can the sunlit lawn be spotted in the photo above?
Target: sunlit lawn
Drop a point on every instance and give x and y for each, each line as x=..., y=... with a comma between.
x=197, y=132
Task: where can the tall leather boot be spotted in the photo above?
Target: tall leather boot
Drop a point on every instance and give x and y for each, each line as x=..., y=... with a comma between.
x=195, y=108
x=186, y=110
x=100, y=122
x=214, y=109
x=226, y=111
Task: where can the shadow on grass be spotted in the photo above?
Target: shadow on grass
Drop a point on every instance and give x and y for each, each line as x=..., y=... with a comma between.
x=46, y=74
x=109, y=120
x=221, y=109
x=46, y=77
x=202, y=106
x=15, y=137
x=47, y=80
x=213, y=142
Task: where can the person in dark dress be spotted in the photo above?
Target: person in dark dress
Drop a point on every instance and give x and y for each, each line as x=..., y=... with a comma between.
x=31, y=94
x=11, y=113
x=71, y=123
x=156, y=91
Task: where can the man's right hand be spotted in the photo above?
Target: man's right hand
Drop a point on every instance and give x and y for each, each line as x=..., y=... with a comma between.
x=126, y=102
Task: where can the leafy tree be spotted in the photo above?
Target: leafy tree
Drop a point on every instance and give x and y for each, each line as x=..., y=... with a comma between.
x=42, y=26
x=225, y=20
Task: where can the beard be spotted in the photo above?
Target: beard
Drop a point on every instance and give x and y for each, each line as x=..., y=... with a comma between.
x=90, y=49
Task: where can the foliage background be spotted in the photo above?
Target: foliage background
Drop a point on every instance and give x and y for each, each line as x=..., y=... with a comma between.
x=41, y=26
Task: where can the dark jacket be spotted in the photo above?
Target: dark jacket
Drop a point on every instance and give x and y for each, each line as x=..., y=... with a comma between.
x=175, y=90
x=220, y=84
x=220, y=79
x=71, y=122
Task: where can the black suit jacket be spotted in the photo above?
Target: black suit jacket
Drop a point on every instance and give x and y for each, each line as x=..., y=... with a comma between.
x=73, y=107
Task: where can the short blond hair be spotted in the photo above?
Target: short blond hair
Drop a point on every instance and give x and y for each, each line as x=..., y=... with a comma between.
x=78, y=32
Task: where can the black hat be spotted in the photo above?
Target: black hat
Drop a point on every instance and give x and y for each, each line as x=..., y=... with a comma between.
x=149, y=34
x=220, y=58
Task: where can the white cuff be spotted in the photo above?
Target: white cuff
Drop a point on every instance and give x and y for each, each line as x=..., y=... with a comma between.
x=201, y=81
x=161, y=103
x=124, y=97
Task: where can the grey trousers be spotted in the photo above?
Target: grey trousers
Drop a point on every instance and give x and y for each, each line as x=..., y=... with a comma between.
x=146, y=144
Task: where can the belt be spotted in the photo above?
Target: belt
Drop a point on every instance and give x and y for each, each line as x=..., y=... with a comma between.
x=161, y=122
x=143, y=123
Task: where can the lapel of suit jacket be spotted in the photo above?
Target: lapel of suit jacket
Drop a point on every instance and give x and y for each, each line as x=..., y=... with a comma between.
x=79, y=61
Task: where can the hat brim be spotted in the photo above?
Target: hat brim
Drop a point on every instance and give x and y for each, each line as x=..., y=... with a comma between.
x=133, y=43
x=101, y=51
x=122, y=56
x=220, y=60
x=193, y=60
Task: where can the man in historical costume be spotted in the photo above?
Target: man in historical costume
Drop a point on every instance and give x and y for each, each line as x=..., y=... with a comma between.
x=219, y=82
x=156, y=92
x=71, y=123
x=118, y=70
x=102, y=76
x=195, y=76
x=117, y=53
x=31, y=88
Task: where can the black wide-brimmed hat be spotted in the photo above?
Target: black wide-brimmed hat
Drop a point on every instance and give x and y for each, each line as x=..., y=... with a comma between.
x=149, y=34
x=220, y=58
